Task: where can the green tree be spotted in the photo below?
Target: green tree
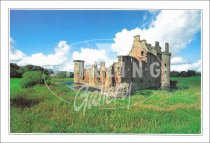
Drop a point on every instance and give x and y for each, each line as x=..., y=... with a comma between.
x=15, y=71
x=31, y=78
x=34, y=68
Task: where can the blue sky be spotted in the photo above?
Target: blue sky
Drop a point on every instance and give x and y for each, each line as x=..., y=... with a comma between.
x=40, y=31
x=33, y=30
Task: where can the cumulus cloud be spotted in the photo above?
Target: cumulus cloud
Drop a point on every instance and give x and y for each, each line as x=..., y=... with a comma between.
x=58, y=60
x=179, y=60
x=90, y=55
x=181, y=64
x=177, y=27
x=15, y=55
x=59, y=56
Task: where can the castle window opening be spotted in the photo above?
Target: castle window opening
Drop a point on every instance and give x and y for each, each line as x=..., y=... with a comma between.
x=142, y=53
x=121, y=73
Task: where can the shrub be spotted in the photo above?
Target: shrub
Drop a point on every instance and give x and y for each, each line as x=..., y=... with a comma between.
x=31, y=78
x=15, y=71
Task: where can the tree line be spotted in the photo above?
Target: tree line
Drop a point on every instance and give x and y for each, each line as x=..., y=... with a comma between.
x=188, y=73
x=18, y=71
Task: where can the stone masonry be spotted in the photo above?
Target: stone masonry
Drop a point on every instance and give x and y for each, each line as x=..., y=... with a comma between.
x=131, y=72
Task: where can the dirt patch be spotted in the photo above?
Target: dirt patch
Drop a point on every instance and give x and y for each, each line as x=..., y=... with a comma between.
x=23, y=102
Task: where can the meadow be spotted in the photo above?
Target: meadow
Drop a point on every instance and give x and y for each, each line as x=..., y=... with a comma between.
x=38, y=110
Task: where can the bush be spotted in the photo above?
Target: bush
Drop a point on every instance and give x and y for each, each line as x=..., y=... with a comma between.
x=31, y=78
x=15, y=71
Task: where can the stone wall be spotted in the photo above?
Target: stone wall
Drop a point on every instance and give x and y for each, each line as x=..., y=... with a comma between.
x=78, y=71
x=144, y=67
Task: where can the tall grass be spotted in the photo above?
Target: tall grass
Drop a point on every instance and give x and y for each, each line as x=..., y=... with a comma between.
x=37, y=110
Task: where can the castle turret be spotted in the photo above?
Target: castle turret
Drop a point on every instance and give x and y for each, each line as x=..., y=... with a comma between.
x=165, y=67
x=102, y=72
x=78, y=71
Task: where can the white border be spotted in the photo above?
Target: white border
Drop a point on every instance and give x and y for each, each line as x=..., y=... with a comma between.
x=5, y=5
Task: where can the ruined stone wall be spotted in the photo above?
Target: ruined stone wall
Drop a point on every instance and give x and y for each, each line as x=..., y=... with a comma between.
x=86, y=74
x=134, y=69
x=125, y=63
x=136, y=73
x=94, y=75
x=139, y=49
x=153, y=77
x=109, y=78
x=78, y=71
x=102, y=72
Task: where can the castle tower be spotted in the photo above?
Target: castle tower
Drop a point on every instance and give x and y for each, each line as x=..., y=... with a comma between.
x=165, y=67
x=102, y=72
x=94, y=75
x=78, y=71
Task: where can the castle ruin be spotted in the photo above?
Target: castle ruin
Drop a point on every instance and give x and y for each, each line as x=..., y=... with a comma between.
x=145, y=67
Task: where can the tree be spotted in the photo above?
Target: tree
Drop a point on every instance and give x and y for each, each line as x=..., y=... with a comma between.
x=183, y=74
x=191, y=73
x=34, y=68
x=174, y=74
x=71, y=75
x=31, y=78
x=198, y=74
x=15, y=71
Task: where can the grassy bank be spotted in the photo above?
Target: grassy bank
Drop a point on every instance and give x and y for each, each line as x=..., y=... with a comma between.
x=38, y=110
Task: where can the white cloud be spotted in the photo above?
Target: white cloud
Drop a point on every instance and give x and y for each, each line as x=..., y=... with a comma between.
x=15, y=55
x=180, y=64
x=58, y=60
x=179, y=60
x=61, y=59
x=90, y=55
x=177, y=27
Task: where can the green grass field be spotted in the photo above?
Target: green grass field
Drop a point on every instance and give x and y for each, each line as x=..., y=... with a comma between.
x=37, y=110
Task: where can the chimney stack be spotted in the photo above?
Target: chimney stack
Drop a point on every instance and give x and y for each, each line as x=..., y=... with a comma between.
x=137, y=38
x=166, y=47
x=156, y=44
